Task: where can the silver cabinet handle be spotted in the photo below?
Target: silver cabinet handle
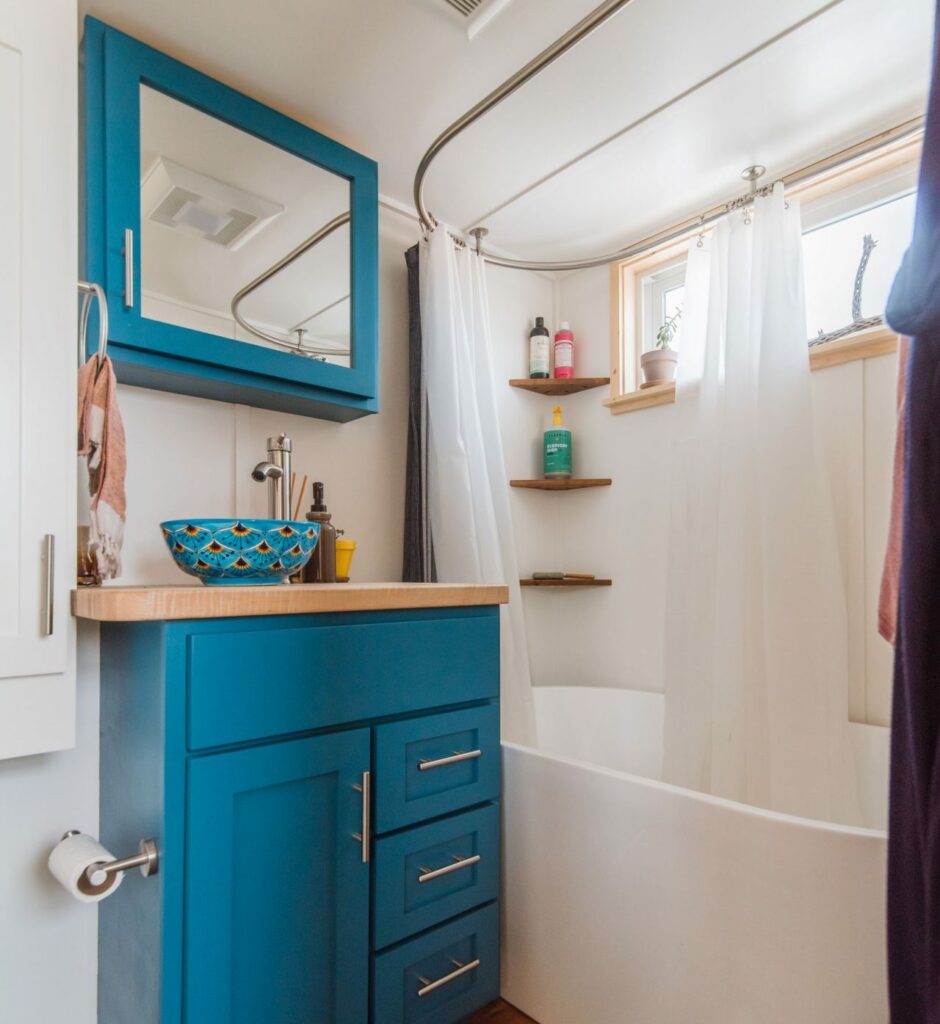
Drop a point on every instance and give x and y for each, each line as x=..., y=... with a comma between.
x=128, y=268
x=364, y=836
x=430, y=986
x=457, y=756
x=459, y=863
x=48, y=560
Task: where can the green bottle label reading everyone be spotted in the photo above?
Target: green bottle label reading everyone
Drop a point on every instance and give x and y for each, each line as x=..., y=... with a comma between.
x=557, y=461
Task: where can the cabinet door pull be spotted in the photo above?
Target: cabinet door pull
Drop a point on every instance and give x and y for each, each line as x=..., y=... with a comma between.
x=48, y=610
x=426, y=874
x=467, y=755
x=431, y=986
x=128, y=268
x=364, y=837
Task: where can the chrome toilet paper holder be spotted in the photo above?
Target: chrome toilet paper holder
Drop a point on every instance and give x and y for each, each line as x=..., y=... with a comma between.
x=147, y=859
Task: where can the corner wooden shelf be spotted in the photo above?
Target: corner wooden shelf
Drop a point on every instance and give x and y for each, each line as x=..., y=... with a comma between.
x=558, y=385
x=561, y=485
x=565, y=583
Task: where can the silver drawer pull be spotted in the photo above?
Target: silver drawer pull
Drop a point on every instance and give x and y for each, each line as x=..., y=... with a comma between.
x=455, y=758
x=432, y=986
x=364, y=837
x=459, y=863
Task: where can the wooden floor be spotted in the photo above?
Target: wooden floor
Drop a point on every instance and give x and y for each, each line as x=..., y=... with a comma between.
x=500, y=1012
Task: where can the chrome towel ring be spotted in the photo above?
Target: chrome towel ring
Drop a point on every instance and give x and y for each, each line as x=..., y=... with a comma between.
x=89, y=292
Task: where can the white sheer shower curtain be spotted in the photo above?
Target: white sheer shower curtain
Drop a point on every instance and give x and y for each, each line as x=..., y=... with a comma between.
x=756, y=666
x=468, y=497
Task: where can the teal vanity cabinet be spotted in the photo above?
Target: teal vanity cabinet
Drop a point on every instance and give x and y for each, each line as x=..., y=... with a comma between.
x=323, y=790
x=237, y=248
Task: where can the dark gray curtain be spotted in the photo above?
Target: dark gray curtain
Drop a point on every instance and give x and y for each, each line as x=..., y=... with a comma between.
x=914, y=824
x=418, y=557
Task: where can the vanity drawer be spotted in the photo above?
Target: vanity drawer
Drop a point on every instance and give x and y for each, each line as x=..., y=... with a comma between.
x=427, y=874
x=429, y=766
x=249, y=681
x=442, y=976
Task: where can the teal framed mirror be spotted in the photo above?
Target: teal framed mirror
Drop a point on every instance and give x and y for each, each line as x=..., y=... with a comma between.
x=237, y=247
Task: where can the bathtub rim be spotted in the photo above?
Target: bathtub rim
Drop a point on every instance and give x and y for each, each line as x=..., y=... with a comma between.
x=706, y=798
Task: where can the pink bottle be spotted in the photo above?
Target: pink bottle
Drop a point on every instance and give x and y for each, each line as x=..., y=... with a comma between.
x=564, y=351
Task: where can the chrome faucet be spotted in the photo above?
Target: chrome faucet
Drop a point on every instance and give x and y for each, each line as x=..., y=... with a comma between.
x=276, y=469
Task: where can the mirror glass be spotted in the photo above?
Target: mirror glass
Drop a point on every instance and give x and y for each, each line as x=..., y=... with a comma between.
x=219, y=209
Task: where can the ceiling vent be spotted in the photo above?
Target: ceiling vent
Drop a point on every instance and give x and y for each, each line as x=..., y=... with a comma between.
x=198, y=205
x=478, y=13
x=465, y=7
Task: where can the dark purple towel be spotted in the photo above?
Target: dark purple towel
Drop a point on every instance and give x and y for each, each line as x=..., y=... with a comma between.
x=914, y=837
x=914, y=827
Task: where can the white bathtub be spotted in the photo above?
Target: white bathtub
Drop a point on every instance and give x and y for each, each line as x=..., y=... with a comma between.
x=629, y=901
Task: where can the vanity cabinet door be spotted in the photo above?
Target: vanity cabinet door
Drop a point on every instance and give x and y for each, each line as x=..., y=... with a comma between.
x=277, y=893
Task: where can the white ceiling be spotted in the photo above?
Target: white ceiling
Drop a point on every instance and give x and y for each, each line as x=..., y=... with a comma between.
x=386, y=77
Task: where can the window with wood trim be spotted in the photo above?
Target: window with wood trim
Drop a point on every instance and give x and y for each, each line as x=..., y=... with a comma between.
x=856, y=224
x=645, y=291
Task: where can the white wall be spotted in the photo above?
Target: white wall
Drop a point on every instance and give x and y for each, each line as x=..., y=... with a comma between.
x=614, y=637
x=186, y=457
x=516, y=298
x=192, y=457
x=855, y=406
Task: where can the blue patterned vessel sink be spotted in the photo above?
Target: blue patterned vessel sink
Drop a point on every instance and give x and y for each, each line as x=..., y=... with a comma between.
x=240, y=551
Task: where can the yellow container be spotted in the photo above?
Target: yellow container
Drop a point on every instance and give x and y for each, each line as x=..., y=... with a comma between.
x=344, y=554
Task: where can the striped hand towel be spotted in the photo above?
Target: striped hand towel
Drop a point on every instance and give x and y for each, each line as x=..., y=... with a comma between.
x=101, y=440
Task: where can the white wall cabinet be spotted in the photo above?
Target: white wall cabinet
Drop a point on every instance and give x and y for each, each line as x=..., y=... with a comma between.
x=38, y=305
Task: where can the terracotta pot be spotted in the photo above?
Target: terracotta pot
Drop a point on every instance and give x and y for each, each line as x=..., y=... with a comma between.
x=659, y=365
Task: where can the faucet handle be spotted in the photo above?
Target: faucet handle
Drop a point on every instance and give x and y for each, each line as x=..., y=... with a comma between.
x=281, y=443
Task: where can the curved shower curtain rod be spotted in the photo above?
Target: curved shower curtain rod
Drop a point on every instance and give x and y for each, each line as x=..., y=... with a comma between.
x=294, y=255
x=572, y=37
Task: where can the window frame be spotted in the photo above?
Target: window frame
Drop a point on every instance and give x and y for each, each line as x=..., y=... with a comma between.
x=627, y=312
x=832, y=196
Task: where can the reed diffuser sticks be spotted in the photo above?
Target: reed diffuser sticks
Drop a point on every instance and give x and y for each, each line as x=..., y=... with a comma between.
x=300, y=496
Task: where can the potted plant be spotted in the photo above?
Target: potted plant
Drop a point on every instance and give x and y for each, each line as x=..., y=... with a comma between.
x=659, y=364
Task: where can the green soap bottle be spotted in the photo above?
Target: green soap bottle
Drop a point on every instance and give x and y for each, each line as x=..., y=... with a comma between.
x=556, y=462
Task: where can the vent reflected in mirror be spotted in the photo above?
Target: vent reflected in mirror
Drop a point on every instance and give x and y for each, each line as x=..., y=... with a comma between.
x=220, y=211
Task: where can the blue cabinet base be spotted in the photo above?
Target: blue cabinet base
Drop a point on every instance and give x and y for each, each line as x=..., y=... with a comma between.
x=281, y=895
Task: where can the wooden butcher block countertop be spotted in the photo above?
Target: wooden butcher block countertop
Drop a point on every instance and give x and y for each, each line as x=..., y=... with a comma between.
x=140, y=604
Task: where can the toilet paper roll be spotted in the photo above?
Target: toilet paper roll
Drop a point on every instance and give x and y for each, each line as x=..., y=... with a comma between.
x=69, y=863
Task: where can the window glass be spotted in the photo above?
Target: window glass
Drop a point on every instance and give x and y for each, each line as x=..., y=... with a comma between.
x=673, y=304
x=663, y=292
x=831, y=255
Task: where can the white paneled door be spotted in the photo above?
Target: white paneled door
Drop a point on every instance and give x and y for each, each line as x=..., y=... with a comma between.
x=38, y=273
